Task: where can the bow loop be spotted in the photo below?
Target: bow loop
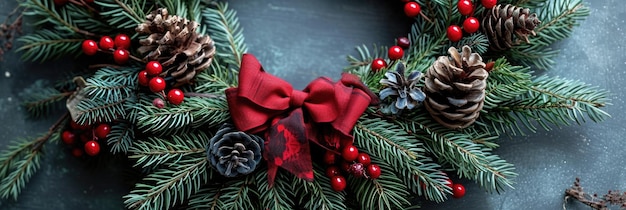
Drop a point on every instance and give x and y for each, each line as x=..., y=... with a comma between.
x=297, y=98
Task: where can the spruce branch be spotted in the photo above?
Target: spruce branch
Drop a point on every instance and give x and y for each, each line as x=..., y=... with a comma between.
x=239, y=194
x=317, y=194
x=225, y=30
x=47, y=13
x=19, y=162
x=123, y=14
x=386, y=192
x=404, y=153
x=120, y=139
x=155, y=152
x=45, y=44
x=216, y=80
x=39, y=99
x=166, y=187
x=280, y=195
x=459, y=150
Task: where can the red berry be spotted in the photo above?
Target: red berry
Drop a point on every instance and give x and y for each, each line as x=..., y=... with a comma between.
x=102, y=130
x=120, y=56
x=449, y=182
x=458, y=190
x=60, y=2
x=175, y=96
x=395, y=52
x=466, y=7
x=345, y=166
x=154, y=68
x=77, y=152
x=338, y=183
x=373, y=171
x=85, y=137
x=412, y=9
x=454, y=33
x=364, y=159
x=329, y=157
x=68, y=137
x=90, y=47
x=122, y=41
x=471, y=25
x=357, y=169
x=332, y=171
x=403, y=42
x=106, y=43
x=378, y=64
x=350, y=153
x=157, y=84
x=92, y=148
x=142, y=78
x=489, y=3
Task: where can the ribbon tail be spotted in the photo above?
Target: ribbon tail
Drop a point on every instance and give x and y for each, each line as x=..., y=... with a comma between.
x=287, y=146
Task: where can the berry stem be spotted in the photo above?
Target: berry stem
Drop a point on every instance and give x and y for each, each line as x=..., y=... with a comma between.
x=201, y=95
x=84, y=4
x=38, y=143
x=425, y=17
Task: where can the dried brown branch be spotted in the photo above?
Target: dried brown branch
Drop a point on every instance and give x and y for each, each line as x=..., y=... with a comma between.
x=593, y=201
x=9, y=29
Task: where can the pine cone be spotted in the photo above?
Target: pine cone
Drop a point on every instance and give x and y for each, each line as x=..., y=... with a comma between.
x=505, y=25
x=455, y=88
x=405, y=90
x=174, y=42
x=233, y=153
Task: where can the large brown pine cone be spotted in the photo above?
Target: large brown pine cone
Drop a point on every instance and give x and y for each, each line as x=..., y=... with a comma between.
x=455, y=88
x=174, y=42
x=507, y=25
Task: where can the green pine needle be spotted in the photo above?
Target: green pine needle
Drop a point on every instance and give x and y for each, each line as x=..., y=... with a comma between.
x=155, y=152
x=317, y=194
x=225, y=30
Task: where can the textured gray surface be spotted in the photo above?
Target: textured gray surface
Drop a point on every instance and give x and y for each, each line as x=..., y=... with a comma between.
x=300, y=40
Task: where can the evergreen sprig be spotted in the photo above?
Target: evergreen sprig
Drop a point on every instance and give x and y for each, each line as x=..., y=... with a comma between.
x=124, y=14
x=43, y=45
x=281, y=195
x=225, y=30
x=40, y=100
x=121, y=137
x=317, y=194
x=154, y=152
x=386, y=192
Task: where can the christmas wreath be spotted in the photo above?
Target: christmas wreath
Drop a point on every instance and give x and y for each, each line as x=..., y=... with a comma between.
x=209, y=128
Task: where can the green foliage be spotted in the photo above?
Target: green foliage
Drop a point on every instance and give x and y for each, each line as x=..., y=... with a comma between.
x=154, y=152
x=120, y=139
x=43, y=45
x=191, y=10
x=216, y=80
x=281, y=195
x=40, y=99
x=195, y=112
x=166, y=187
x=317, y=194
x=224, y=29
x=386, y=192
x=124, y=14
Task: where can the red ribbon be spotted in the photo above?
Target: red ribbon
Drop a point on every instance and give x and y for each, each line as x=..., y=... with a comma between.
x=324, y=112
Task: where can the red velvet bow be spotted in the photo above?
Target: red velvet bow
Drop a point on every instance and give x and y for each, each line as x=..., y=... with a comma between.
x=324, y=112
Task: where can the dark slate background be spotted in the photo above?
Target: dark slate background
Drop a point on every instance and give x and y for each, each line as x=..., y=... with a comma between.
x=300, y=40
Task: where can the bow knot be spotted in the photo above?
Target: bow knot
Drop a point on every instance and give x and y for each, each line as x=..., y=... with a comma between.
x=297, y=98
x=324, y=112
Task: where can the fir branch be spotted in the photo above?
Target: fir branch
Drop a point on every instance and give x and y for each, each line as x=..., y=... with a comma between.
x=206, y=198
x=318, y=194
x=459, y=150
x=39, y=99
x=98, y=110
x=43, y=45
x=87, y=19
x=216, y=80
x=120, y=139
x=166, y=187
x=391, y=143
x=47, y=13
x=20, y=161
x=386, y=192
x=365, y=57
x=195, y=112
x=280, y=195
x=225, y=30
x=239, y=194
x=123, y=14
x=155, y=152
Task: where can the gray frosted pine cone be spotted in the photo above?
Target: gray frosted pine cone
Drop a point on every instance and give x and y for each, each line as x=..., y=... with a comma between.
x=455, y=88
x=406, y=93
x=233, y=153
x=174, y=42
x=507, y=25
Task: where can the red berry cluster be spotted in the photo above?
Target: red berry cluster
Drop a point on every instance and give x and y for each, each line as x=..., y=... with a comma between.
x=395, y=52
x=151, y=77
x=85, y=138
x=119, y=46
x=353, y=163
x=471, y=24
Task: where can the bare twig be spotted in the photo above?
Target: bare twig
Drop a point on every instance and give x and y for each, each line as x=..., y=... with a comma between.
x=593, y=201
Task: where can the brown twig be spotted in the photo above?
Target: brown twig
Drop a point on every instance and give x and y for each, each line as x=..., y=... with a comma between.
x=593, y=201
x=84, y=4
x=8, y=31
x=41, y=140
x=201, y=95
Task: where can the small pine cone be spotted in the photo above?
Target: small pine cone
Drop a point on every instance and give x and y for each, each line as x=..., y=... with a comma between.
x=174, y=42
x=233, y=153
x=506, y=25
x=404, y=90
x=455, y=88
